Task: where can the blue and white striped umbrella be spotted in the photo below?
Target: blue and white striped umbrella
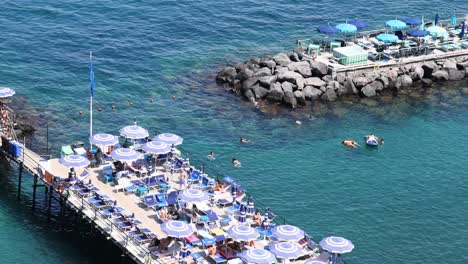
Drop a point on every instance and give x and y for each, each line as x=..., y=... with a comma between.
x=185, y=251
x=170, y=139
x=134, y=132
x=250, y=207
x=286, y=250
x=257, y=256
x=243, y=233
x=156, y=147
x=314, y=261
x=6, y=92
x=104, y=139
x=242, y=216
x=177, y=229
x=287, y=232
x=335, y=244
x=125, y=154
x=193, y=196
x=395, y=24
x=74, y=161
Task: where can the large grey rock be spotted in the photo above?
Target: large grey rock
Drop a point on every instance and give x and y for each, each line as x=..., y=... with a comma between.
x=259, y=91
x=349, y=86
x=294, y=65
x=455, y=75
x=300, y=83
x=289, y=76
x=276, y=92
x=341, y=78
x=245, y=73
x=265, y=81
x=361, y=81
x=300, y=98
x=426, y=82
x=403, y=81
x=305, y=71
x=294, y=57
x=384, y=80
x=318, y=68
x=287, y=87
x=440, y=75
x=311, y=93
x=227, y=74
x=327, y=78
x=249, y=83
x=392, y=75
x=314, y=81
x=290, y=99
x=418, y=73
x=268, y=63
x=265, y=71
x=281, y=59
x=250, y=95
x=279, y=70
x=450, y=64
x=429, y=67
x=329, y=95
x=372, y=88
x=255, y=60
x=334, y=85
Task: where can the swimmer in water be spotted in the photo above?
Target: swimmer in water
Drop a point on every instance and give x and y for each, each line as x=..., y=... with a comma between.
x=211, y=156
x=244, y=140
x=236, y=162
x=350, y=143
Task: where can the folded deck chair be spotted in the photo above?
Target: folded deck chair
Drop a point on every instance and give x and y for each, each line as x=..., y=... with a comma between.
x=149, y=201
x=194, y=177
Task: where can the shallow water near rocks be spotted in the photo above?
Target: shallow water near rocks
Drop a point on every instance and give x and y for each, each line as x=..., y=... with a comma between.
x=404, y=202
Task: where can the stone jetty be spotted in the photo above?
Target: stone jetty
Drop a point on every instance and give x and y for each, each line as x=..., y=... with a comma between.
x=294, y=78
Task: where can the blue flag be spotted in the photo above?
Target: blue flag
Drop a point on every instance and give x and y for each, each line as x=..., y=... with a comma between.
x=91, y=77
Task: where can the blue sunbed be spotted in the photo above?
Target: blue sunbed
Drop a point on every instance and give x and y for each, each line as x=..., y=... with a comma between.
x=149, y=200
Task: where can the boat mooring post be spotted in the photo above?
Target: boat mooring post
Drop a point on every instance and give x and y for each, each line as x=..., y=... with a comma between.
x=20, y=176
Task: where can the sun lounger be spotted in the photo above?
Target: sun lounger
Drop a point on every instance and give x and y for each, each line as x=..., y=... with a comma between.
x=193, y=240
x=160, y=200
x=172, y=198
x=149, y=201
x=113, y=211
x=151, y=182
x=199, y=258
x=83, y=175
x=217, y=258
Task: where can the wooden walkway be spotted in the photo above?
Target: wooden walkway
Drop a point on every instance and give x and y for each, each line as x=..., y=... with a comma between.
x=37, y=166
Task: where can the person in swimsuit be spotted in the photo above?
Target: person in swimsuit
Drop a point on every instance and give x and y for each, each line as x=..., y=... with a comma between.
x=235, y=162
x=350, y=143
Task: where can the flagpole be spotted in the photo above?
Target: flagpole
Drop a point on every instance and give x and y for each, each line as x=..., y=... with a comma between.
x=91, y=95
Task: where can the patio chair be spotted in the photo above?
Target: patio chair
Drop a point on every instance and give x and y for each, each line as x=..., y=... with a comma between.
x=113, y=211
x=194, y=177
x=193, y=240
x=83, y=175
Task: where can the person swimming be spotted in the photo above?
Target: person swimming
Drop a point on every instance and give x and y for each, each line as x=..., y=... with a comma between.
x=350, y=143
x=236, y=162
x=211, y=155
x=244, y=140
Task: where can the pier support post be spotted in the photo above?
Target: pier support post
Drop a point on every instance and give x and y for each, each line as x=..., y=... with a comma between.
x=20, y=176
x=34, y=191
x=49, y=202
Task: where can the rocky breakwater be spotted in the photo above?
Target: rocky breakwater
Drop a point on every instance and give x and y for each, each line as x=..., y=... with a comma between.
x=294, y=79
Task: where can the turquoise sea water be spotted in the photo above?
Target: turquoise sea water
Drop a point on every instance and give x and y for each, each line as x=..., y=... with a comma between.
x=404, y=202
